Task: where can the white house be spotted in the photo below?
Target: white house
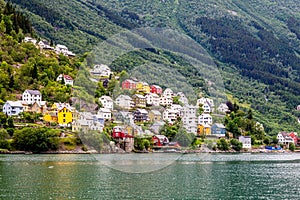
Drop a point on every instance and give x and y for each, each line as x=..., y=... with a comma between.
x=88, y=117
x=206, y=108
x=13, y=108
x=63, y=50
x=170, y=115
x=96, y=126
x=205, y=119
x=31, y=96
x=43, y=44
x=189, y=118
x=104, y=113
x=205, y=100
x=298, y=107
x=223, y=108
x=68, y=80
x=246, y=140
x=124, y=101
x=284, y=138
x=182, y=98
x=177, y=107
x=30, y=39
x=101, y=70
x=168, y=93
x=152, y=99
x=107, y=102
x=165, y=101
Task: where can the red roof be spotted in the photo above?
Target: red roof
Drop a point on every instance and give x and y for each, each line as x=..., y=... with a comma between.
x=67, y=77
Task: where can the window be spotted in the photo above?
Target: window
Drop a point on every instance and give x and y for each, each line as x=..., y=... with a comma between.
x=64, y=115
x=64, y=120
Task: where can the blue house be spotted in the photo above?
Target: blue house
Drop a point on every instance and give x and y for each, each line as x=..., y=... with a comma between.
x=218, y=129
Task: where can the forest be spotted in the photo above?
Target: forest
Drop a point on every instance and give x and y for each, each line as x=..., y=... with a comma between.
x=254, y=44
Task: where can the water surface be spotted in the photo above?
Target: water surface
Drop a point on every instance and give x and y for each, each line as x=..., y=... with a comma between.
x=150, y=176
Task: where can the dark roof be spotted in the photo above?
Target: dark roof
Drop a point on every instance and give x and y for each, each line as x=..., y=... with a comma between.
x=34, y=92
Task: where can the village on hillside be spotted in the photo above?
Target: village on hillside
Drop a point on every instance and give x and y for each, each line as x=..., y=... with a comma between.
x=144, y=112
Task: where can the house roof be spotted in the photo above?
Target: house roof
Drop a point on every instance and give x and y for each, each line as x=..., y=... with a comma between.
x=61, y=106
x=152, y=94
x=205, y=115
x=39, y=103
x=143, y=111
x=155, y=112
x=139, y=96
x=87, y=115
x=15, y=103
x=125, y=97
x=107, y=98
x=67, y=77
x=104, y=110
x=60, y=46
x=219, y=125
x=33, y=92
x=168, y=90
x=130, y=81
x=156, y=86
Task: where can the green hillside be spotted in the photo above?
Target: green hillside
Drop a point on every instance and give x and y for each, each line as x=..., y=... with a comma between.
x=255, y=44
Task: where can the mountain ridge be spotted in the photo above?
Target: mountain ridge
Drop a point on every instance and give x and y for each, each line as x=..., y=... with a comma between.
x=255, y=44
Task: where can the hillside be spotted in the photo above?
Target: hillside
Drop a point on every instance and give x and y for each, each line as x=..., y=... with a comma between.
x=255, y=44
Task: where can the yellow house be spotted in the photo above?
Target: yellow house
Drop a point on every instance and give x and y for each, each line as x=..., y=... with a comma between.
x=143, y=87
x=62, y=113
x=50, y=116
x=204, y=129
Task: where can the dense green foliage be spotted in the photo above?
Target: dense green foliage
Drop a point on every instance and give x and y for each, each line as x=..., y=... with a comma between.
x=23, y=66
x=240, y=123
x=36, y=140
x=176, y=133
x=255, y=44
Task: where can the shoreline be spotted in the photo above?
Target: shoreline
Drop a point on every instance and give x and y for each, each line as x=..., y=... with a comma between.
x=253, y=151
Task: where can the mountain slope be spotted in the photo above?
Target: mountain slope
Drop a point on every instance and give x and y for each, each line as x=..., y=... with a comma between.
x=255, y=43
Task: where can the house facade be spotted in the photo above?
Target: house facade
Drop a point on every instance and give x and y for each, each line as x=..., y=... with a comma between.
x=223, y=108
x=107, y=102
x=170, y=115
x=218, y=129
x=204, y=129
x=128, y=84
x=139, y=100
x=205, y=119
x=284, y=138
x=104, y=113
x=39, y=107
x=189, y=118
x=101, y=70
x=140, y=115
x=124, y=101
x=31, y=96
x=168, y=93
x=156, y=89
x=68, y=80
x=12, y=108
x=165, y=101
x=154, y=115
x=152, y=99
x=143, y=87
x=160, y=140
x=246, y=140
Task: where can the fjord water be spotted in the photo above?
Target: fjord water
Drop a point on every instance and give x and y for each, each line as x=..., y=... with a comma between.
x=189, y=176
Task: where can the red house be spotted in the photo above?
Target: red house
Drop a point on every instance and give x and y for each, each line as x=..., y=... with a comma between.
x=160, y=140
x=128, y=84
x=155, y=89
x=295, y=137
x=119, y=132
